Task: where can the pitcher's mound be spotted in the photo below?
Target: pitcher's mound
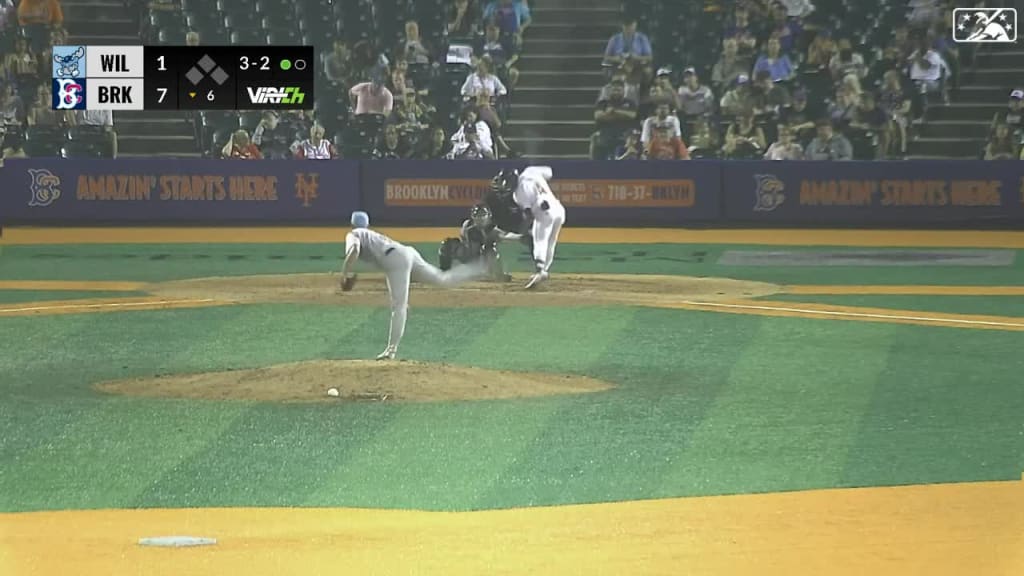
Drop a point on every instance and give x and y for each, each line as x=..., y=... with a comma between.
x=357, y=380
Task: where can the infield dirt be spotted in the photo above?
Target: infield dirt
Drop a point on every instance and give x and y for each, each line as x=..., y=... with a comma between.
x=356, y=381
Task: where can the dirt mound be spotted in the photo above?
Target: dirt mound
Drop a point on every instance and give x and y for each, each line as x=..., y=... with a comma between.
x=561, y=290
x=356, y=380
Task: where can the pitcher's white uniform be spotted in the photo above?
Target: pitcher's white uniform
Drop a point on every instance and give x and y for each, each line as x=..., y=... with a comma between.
x=534, y=194
x=401, y=264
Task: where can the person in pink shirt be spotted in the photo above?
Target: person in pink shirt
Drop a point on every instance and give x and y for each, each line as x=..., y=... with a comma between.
x=372, y=97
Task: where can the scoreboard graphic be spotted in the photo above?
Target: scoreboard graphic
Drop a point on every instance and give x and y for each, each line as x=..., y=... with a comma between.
x=183, y=77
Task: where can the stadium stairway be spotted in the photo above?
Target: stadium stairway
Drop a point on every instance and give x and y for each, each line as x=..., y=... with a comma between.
x=111, y=23
x=552, y=112
x=960, y=129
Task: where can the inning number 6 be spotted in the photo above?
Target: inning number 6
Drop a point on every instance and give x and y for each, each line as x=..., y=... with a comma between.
x=209, y=96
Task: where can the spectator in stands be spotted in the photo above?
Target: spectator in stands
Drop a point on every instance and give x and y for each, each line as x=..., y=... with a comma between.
x=502, y=54
x=798, y=8
x=820, y=51
x=769, y=98
x=666, y=144
x=42, y=113
x=192, y=38
x=927, y=72
x=661, y=93
x=785, y=148
x=740, y=30
x=373, y=103
x=398, y=82
x=867, y=129
x=8, y=14
x=631, y=149
x=695, y=99
x=12, y=109
x=239, y=147
x=338, y=66
x=294, y=124
x=614, y=115
x=662, y=117
x=1001, y=145
x=924, y=13
x=414, y=49
x=729, y=67
x=704, y=141
x=786, y=29
x=482, y=80
x=22, y=66
x=464, y=21
x=630, y=46
x=409, y=117
x=37, y=18
x=845, y=62
x=435, y=147
x=799, y=118
x=316, y=146
x=844, y=104
x=744, y=139
x=828, y=144
x=897, y=106
x=271, y=138
x=1013, y=115
x=948, y=49
x=511, y=16
x=389, y=145
x=740, y=99
x=775, y=62
x=901, y=43
x=472, y=141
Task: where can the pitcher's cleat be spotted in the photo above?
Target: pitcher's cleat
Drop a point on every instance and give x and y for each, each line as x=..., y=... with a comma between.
x=536, y=279
x=387, y=354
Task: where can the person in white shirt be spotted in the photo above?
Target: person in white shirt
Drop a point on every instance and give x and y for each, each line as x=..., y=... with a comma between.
x=102, y=120
x=927, y=71
x=401, y=264
x=785, y=148
x=532, y=193
x=662, y=115
x=473, y=138
x=482, y=80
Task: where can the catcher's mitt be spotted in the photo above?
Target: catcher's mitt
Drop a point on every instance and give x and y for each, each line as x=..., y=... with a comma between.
x=348, y=282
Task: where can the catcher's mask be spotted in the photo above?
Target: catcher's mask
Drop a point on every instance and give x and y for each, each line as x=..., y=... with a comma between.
x=505, y=182
x=480, y=215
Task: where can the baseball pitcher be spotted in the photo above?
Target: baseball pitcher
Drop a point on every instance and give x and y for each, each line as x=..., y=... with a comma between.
x=532, y=193
x=478, y=238
x=401, y=264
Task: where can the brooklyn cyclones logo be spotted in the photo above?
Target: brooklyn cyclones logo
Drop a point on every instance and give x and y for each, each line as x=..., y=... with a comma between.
x=70, y=94
x=769, y=192
x=45, y=187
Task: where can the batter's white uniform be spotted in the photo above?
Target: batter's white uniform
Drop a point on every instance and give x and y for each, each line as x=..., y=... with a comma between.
x=534, y=194
x=401, y=264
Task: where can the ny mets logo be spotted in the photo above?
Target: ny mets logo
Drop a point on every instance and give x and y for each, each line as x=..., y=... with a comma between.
x=769, y=192
x=307, y=187
x=45, y=187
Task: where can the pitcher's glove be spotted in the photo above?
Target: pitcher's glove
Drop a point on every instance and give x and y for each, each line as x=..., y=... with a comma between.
x=348, y=282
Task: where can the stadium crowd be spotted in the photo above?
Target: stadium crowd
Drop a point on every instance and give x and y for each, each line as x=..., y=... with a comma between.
x=433, y=79
x=786, y=84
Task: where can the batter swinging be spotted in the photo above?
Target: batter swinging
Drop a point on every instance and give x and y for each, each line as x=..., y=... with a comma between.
x=400, y=264
x=531, y=192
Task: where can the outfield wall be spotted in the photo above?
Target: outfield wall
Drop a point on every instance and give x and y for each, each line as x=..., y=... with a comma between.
x=135, y=191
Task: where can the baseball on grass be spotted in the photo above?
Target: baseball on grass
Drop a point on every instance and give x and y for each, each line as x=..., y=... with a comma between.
x=333, y=392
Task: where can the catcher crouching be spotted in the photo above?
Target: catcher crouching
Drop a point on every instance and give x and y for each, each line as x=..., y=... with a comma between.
x=479, y=235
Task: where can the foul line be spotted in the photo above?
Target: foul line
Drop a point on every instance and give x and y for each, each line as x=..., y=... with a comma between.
x=862, y=315
x=905, y=290
x=147, y=303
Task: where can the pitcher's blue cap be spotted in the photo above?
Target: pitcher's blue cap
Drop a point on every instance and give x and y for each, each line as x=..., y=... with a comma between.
x=360, y=220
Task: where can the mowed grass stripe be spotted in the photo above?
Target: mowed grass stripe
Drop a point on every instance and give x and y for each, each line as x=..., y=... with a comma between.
x=443, y=457
x=20, y=296
x=1004, y=306
x=785, y=419
x=668, y=365
x=948, y=409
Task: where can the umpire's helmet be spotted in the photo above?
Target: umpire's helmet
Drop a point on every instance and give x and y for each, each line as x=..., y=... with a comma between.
x=505, y=182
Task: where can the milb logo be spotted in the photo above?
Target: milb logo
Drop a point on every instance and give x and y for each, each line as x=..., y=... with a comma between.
x=265, y=95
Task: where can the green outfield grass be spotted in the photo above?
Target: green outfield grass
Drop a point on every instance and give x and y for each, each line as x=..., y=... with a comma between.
x=705, y=403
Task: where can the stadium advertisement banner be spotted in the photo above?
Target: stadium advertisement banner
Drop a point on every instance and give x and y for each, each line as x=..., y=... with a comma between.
x=597, y=193
x=163, y=190
x=920, y=192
